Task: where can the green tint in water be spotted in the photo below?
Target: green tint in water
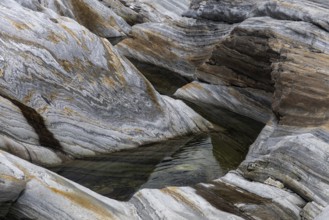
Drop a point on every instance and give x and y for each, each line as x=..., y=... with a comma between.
x=183, y=162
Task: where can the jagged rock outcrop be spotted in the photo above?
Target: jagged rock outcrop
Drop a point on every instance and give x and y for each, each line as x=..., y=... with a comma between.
x=71, y=93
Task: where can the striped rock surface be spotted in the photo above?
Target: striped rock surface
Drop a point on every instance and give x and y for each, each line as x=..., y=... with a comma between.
x=65, y=91
x=139, y=11
x=47, y=195
x=93, y=15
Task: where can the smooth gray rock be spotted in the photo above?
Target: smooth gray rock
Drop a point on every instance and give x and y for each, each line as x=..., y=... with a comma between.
x=78, y=95
x=324, y=214
x=154, y=10
x=49, y=196
x=294, y=156
x=180, y=47
x=235, y=11
x=286, y=58
x=67, y=93
x=12, y=183
x=252, y=103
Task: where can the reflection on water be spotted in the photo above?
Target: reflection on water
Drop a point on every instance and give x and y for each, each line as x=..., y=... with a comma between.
x=172, y=163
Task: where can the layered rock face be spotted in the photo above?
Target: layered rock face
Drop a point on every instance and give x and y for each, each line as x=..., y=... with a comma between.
x=170, y=41
x=168, y=203
x=151, y=11
x=278, y=47
x=66, y=92
x=93, y=15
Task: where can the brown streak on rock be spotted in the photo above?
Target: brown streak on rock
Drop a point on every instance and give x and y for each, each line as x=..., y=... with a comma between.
x=86, y=202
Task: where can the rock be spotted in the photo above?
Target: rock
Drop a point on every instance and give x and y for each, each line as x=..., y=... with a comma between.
x=180, y=46
x=273, y=55
x=12, y=183
x=92, y=14
x=176, y=203
x=67, y=93
x=259, y=201
x=273, y=182
x=121, y=8
x=277, y=47
x=286, y=70
x=235, y=11
x=323, y=215
x=154, y=10
x=252, y=103
x=311, y=210
x=48, y=195
x=203, y=201
x=293, y=156
x=76, y=95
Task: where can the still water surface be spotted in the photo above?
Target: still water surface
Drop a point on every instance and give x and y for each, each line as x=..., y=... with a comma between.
x=183, y=162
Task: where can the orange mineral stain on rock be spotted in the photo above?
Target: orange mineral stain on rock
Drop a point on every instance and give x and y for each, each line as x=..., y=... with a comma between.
x=193, y=86
x=19, y=26
x=86, y=202
x=172, y=191
x=55, y=38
